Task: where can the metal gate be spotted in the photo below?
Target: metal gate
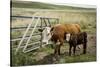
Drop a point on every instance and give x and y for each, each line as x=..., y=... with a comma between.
x=39, y=20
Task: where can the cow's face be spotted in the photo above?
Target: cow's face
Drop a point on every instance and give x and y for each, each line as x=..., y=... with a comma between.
x=46, y=34
x=67, y=37
x=48, y=30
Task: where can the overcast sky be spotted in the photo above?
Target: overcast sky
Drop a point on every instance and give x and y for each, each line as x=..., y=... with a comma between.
x=78, y=3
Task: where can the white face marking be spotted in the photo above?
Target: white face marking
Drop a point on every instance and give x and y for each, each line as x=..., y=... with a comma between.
x=67, y=37
x=46, y=35
x=48, y=30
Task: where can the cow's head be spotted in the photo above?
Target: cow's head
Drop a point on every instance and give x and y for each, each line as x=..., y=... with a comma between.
x=46, y=35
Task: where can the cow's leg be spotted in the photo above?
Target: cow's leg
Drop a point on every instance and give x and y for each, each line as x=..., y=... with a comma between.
x=59, y=47
x=70, y=47
x=84, y=48
x=74, y=49
x=60, y=44
x=56, y=49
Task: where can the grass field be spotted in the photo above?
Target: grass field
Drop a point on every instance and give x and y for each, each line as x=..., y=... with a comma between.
x=40, y=5
x=86, y=19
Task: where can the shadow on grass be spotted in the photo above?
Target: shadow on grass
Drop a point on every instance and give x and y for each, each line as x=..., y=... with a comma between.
x=51, y=59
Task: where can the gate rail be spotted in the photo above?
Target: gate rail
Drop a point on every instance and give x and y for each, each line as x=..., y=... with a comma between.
x=24, y=37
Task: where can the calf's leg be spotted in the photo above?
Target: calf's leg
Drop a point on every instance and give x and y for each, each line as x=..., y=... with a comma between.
x=84, y=48
x=70, y=47
x=74, y=49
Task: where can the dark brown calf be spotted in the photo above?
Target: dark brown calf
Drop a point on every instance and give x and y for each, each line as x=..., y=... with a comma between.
x=77, y=39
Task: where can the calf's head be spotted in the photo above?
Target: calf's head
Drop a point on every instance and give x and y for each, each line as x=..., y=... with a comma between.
x=68, y=37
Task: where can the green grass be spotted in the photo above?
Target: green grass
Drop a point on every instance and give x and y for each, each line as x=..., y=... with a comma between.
x=80, y=58
x=32, y=58
x=21, y=59
x=75, y=59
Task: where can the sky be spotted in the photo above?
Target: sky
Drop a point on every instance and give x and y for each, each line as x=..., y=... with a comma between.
x=77, y=3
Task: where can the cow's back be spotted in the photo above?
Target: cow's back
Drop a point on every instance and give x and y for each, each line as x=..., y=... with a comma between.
x=60, y=30
x=72, y=28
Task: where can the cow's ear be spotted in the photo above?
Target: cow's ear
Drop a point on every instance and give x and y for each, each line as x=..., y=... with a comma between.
x=52, y=28
x=40, y=30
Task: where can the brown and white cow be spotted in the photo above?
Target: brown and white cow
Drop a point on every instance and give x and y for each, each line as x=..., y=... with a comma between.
x=58, y=34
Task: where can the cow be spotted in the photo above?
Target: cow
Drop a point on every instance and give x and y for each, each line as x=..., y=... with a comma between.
x=58, y=34
x=77, y=39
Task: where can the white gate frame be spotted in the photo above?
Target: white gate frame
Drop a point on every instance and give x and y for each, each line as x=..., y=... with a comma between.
x=29, y=26
x=24, y=35
x=30, y=36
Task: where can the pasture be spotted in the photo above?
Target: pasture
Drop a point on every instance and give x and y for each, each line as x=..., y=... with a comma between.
x=87, y=21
